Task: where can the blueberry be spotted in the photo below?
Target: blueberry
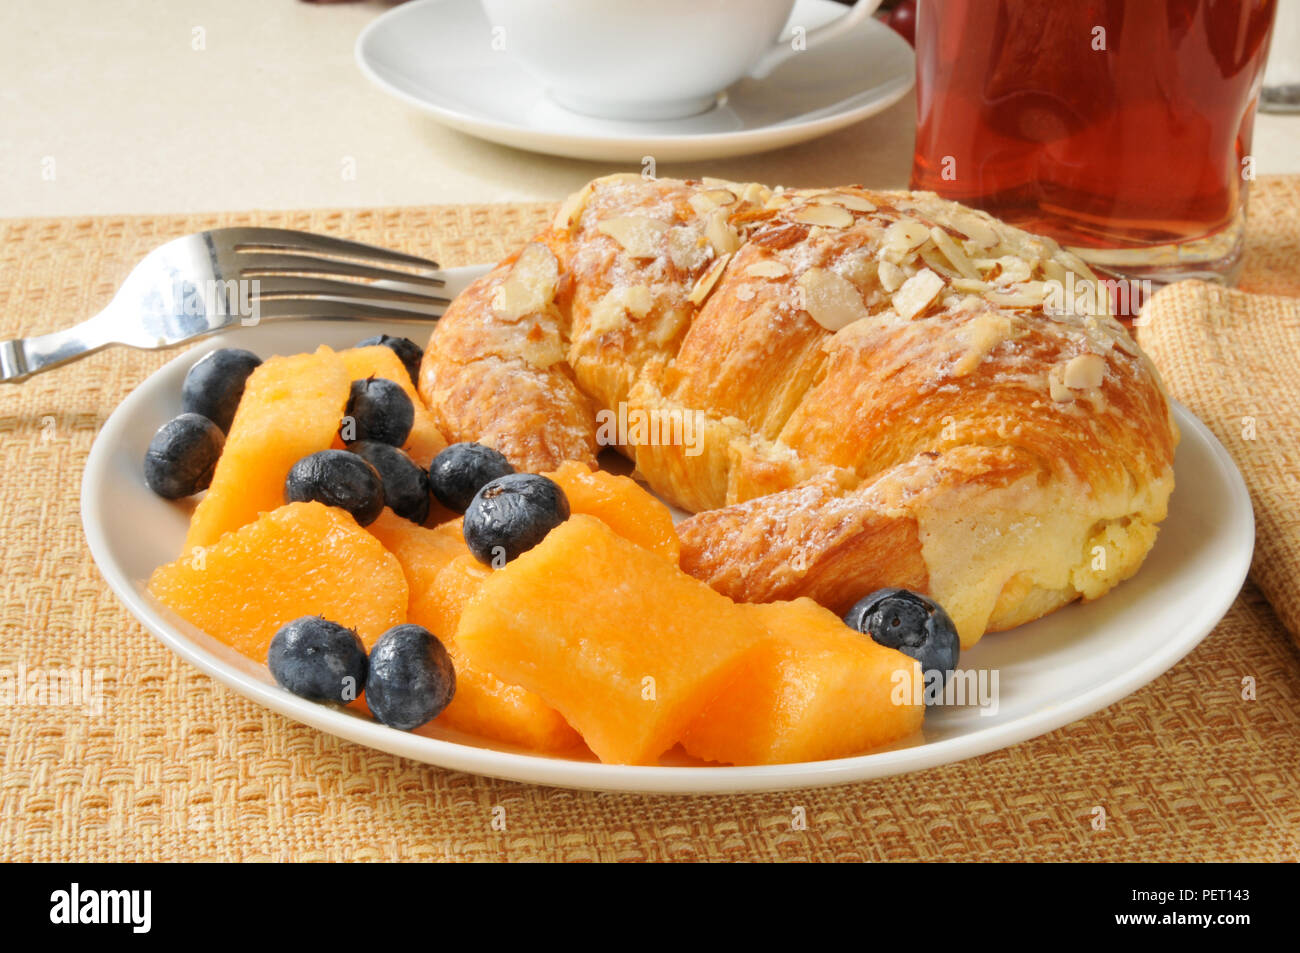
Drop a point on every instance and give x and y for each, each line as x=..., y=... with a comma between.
x=182, y=455
x=463, y=469
x=214, y=385
x=411, y=677
x=337, y=478
x=407, y=350
x=511, y=515
x=378, y=409
x=912, y=623
x=406, y=485
x=318, y=660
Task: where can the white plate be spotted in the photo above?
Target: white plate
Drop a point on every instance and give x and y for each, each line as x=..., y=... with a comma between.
x=1051, y=672
x=436, y=55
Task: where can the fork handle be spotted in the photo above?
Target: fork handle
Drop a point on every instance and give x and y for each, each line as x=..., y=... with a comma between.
x=20, y=358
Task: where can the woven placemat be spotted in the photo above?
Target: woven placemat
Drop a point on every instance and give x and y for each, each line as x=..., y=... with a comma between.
x=1234, y=359
x=177, y=767
x=1272, y=253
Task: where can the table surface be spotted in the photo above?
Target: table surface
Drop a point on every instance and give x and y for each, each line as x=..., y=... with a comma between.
x=129, y=116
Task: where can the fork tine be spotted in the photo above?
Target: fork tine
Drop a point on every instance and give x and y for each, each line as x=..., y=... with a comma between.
x=305, y=308
x=252, y=264
x=290, y=240
x=297, y=286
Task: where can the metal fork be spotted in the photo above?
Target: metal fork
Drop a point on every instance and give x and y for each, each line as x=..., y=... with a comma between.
x=227, y=277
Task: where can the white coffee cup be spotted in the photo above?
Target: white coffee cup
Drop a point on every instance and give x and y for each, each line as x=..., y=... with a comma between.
x=651, y=59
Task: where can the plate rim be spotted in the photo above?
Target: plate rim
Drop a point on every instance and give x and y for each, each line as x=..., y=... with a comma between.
x=652, y=779
x=596, y=147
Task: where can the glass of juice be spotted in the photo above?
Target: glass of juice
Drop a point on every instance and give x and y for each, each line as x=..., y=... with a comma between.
x=1121, y=128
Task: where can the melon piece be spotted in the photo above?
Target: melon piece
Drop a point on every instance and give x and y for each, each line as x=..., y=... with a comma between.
x=422, y=552
x=426, y=440
x=291, y=408
x=622, y=504
x=443, y=576
x=814, y=689
x=627, y=647
x=484, y=705
x=457, y=582
x=300, y=559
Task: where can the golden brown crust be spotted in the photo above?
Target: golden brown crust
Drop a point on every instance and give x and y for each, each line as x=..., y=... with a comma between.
x=504, y=382
x=870, y=388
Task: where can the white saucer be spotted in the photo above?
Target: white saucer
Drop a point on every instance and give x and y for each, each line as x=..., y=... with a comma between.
x=436, y=55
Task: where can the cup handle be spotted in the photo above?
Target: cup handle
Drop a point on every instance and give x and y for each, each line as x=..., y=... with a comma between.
x=783, y=50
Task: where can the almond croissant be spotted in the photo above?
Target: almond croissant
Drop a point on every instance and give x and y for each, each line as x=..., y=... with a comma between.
x=850, y=389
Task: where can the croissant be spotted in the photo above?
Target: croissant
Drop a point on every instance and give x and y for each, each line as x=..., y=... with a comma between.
x=849, y=389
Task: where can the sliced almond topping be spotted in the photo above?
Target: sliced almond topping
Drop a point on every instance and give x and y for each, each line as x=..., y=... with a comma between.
x=745, y=293
x=1014, y=270
x=780, y=198
x=530, y=286
x=724, y=239
x=1085, y=372
x=611, y=311
x=953, y=252
x=710, y=182
x=1053, y=270
x=891, y=276
x=971, y=285
x=638, y=300
x=756, y=193
x=916, y=293
x=1056, y=385
x=704, y=284
x=1005, y=299
x=976, y=229
x=640, y=236
x=831, y=300
x=983, y=334
x=859, y=267
x=937, y=262
x=707, y=201
x=701, y=203
x=901, y=238
x=571, y=208
x=831, y=216
x=846, y=199
x=769, y=268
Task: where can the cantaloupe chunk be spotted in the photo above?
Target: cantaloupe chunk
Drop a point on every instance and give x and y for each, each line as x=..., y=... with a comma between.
x=443, y=576
x=422, y=552
x=627, y=647
x=291, y=407
x=622, y=504
x=300, y=559
x=812, y=690
x=457, y=582
x=426, y=440
x=484, y=705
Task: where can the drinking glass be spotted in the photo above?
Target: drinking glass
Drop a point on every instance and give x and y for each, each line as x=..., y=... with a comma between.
x=1121, y=128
